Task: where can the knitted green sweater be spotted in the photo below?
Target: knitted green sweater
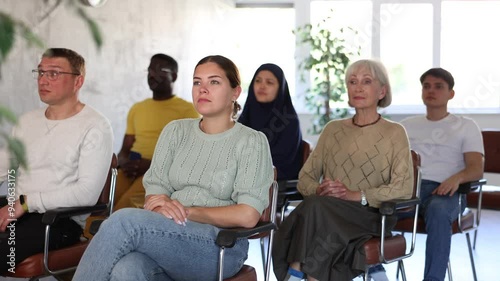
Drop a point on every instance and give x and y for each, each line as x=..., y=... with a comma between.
x=198, y=169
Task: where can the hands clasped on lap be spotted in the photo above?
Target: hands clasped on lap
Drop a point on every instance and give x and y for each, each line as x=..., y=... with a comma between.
x=334, y=189
x=172, y=209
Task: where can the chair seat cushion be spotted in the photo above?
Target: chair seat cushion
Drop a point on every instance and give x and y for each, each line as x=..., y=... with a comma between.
x=58, y=259
x=491, y=198
x=467, y=221
x=247, y=273
x=394, y=247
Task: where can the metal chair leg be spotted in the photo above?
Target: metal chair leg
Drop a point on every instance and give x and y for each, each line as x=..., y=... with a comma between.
x=450, y=277
x=220, y=274
x=283, y=211
x=282, y=215
x=263, y=252
x=398, y=269
x=471, y=256
x=267, y=267
x=401, y=267
x=475, y=237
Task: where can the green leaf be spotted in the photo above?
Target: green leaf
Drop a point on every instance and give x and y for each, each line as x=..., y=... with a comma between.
x=30, y=37
x=93, y=26
x=7, y=35
x=6, y=114
x=16, y=147
x=326, y=64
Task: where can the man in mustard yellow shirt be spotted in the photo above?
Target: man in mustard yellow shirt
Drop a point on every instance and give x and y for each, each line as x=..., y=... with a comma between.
x=145, y=121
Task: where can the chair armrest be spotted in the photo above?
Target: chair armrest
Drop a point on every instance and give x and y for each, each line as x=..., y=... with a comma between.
x=291, y=192
x=291, y=195
x=95, y=225
x=227, y=237
x=390, y=207
x=467, y=187
x=291, y=184
x=52, y=216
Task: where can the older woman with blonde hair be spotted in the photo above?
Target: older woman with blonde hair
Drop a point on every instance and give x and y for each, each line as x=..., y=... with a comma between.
x=358, y=162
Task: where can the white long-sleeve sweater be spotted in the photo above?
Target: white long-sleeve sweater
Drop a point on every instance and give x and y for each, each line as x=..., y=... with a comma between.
x=68, y=160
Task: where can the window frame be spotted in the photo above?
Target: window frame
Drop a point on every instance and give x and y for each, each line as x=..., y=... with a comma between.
x=303, y=14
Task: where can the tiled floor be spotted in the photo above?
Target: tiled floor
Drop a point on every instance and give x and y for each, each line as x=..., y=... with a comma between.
x=486, y=255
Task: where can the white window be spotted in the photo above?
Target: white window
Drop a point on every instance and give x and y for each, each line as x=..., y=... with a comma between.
x=341, y=13
x=406, y=49
x=470, y=48
x=258, y=36
x=410, y=37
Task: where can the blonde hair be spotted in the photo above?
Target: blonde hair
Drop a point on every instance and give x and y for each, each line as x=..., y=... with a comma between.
x=76, y=61
x=379, y=72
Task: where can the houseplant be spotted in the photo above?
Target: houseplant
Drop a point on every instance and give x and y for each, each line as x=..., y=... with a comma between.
x=14, y=145
x=10, y=29
x=329, y=55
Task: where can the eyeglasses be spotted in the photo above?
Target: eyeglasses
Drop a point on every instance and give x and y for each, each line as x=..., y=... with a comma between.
x=52, y=75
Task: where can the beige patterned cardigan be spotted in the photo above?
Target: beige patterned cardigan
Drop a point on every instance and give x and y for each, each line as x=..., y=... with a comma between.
x=374, y=158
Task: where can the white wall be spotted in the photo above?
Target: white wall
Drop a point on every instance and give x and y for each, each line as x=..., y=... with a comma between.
x=133, y=31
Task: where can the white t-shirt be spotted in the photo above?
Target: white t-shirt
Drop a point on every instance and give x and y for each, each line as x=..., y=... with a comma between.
x=442, y=144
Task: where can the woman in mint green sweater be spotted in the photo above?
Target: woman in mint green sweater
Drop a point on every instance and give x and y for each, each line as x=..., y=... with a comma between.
x=206, y=174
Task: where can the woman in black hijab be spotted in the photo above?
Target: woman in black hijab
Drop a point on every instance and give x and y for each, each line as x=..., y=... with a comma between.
x=269, y=109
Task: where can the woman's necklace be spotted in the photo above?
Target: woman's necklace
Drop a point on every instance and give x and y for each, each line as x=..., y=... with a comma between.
x=361, y=126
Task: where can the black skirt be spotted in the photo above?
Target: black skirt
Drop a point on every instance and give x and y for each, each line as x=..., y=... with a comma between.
x=326, y=235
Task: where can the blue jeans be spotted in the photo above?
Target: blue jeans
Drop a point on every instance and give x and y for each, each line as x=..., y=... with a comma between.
x=439, y=212
x=135, y=244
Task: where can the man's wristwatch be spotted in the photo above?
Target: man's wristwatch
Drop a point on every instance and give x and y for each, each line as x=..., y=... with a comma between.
x=363, y=198
x=23, y=203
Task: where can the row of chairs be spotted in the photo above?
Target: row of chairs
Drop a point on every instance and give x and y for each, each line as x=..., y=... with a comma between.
x=378, y=250
x=56, y=262
x=387, y=250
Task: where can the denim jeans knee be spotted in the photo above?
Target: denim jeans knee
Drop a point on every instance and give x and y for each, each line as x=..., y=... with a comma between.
x=183, y=252
x=137, y=266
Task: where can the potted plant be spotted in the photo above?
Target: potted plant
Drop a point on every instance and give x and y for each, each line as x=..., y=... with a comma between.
x=10, y=28
x=329, y=56
x=14, y=145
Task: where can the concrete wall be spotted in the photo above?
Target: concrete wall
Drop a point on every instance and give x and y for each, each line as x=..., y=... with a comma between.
x=133, y=31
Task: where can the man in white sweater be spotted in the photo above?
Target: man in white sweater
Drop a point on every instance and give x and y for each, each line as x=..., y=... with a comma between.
x=68, y=152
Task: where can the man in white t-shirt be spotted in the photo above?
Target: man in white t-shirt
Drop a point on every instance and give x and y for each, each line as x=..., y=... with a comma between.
x=68, y=153
x=451, y=151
